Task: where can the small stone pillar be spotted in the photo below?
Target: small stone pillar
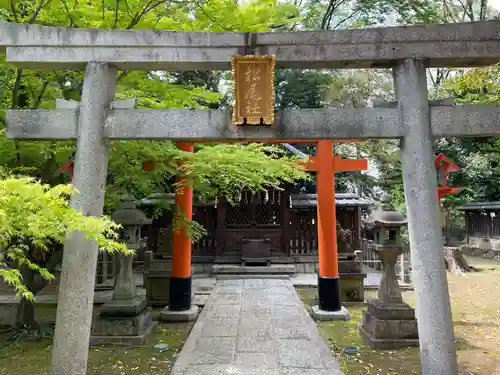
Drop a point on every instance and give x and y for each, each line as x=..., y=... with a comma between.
x=126, y=319
x=388, y=323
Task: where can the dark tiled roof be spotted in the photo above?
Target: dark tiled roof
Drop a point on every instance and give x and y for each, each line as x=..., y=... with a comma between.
x=341, y=199
x=478, y=206
x=298, y=200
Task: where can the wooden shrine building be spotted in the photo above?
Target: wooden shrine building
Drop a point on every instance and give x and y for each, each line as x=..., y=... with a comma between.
x=283, y=222
x=482, y=223
x=271, y=228
x=275, y=227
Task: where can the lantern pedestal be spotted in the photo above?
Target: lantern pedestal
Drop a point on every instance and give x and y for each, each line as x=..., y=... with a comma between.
x=124, y=323
x=126, y=319
x=126, y=308
x=388, y=322
x=389, y=326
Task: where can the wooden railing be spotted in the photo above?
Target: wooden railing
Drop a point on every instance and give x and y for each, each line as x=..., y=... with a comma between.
x=206, y=216
x=303, y=231
x=483, y=225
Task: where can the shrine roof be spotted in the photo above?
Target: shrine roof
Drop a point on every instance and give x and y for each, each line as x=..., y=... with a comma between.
x=479, y=206
x=298, y=200
x=341, y=200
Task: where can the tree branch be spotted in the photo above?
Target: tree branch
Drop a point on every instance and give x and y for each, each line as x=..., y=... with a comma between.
x=41, y=92
x=16, y=88
x=39, y=7
x=14, y=11
x=117, y=6
x=352, y=15
x=71, y=17
x=138, y=16
x=332, y=7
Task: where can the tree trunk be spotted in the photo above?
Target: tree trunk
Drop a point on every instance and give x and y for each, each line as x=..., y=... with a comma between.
x=25, y=316
x=455, y=262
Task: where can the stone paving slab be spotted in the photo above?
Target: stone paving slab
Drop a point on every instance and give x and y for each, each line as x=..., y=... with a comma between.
x=202, y=287
x=205, y=285
x=372, y=280
x=255, y=327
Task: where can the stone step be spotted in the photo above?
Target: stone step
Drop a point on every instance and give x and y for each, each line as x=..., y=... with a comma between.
x=251, y=276
x=233, y=269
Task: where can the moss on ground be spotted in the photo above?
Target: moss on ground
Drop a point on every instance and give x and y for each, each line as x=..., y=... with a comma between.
x=476, y=316
x=340, y=334
x=34, y=357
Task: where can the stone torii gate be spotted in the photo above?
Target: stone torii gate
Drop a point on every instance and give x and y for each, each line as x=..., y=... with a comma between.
x=407, y=50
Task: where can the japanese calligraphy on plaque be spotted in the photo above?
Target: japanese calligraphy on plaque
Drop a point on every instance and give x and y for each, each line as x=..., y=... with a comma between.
x=253, y=88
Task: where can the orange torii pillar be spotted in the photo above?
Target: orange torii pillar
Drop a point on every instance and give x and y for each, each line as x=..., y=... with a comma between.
x=326, y=164
x=180, y=307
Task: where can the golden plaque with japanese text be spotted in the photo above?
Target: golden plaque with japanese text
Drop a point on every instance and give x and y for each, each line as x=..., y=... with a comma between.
x=253, y=89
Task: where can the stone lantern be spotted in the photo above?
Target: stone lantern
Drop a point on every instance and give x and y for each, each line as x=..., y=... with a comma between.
x=126, y=319
x=131, y=219
x=388, y=322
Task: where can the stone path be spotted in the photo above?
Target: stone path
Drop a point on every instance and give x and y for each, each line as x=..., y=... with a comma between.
x=255, y=327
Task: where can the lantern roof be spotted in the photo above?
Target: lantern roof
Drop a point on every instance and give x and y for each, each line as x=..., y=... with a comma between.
x=442, y=161
x=128, y=214
x=385, y=214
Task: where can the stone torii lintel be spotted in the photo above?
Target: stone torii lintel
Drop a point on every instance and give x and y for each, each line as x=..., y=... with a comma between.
x=51, y=48
x=73, y=105
x=216, y=125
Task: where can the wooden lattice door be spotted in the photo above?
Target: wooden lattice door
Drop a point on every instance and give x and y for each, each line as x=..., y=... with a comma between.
x=257, y=215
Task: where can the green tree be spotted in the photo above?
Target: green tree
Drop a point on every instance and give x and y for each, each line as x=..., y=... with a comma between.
x=254, y=166
x=154, y=90
x=479, y=157
x=34, y=221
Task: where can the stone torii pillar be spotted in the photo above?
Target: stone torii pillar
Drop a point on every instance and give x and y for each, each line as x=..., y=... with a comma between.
x=435, y=326
x=180, y=306
x=76, y=289
x=326, y=164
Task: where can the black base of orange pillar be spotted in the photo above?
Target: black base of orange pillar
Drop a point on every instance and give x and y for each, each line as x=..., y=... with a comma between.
x=179, y=294
x=329, y=293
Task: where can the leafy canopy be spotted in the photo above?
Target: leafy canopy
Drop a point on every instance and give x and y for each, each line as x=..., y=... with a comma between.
x=36, y=215
x=155, y=90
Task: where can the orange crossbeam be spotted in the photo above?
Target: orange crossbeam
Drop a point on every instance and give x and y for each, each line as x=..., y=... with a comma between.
x=338, y=164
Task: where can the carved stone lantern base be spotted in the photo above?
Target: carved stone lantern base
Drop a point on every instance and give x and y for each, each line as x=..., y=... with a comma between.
x=126, y=319
x=389, y=326
x=123, y=322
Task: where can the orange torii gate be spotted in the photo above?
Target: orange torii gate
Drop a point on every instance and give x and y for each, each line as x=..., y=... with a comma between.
x=325, y=164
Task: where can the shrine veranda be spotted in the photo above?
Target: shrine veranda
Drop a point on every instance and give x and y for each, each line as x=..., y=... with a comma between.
x=408, y=50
